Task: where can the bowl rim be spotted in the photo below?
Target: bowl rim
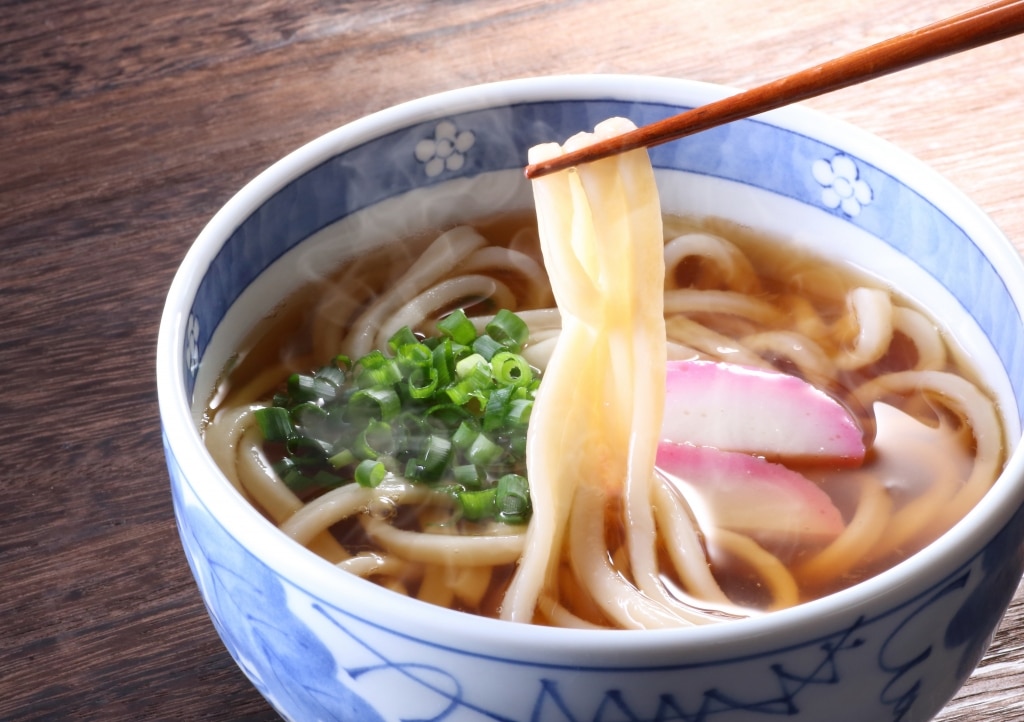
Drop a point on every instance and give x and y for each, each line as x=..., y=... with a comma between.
x=529, y=642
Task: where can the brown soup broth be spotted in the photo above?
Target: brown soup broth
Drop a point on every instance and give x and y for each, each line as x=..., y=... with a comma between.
x=806, y=290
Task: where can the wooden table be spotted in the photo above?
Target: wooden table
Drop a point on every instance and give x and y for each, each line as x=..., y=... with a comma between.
x=124, y=126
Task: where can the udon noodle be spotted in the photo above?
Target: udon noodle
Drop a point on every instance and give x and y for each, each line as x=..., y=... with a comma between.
x=612, y=292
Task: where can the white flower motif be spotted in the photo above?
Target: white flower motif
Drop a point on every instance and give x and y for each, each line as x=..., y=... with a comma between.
x=843, y=187
x=446, y=150
x=192, y=344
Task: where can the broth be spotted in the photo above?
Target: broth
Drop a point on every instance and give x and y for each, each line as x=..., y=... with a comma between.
x=923, y=470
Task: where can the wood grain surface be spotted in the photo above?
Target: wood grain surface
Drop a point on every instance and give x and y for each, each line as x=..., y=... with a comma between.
x=124, y=126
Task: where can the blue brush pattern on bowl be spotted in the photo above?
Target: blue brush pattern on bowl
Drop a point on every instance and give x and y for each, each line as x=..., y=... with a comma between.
x=268, y=635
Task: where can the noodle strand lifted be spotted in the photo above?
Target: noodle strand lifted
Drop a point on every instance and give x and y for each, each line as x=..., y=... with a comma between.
x=594, y=430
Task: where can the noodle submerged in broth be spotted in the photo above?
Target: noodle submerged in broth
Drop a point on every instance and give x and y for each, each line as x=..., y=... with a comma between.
x=590, y=510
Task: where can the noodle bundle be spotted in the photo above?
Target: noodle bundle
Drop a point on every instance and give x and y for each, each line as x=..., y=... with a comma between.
x=594, y=434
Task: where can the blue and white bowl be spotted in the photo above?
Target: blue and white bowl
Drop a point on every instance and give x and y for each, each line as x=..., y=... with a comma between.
x=321, y=645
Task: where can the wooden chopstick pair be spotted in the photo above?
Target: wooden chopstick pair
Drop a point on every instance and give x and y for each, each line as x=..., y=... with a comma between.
x=971, y=29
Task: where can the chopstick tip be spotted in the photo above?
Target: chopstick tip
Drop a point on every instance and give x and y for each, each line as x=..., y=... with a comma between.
x=533, y=171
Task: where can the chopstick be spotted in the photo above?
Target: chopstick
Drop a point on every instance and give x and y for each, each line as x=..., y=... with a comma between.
x=971, y=29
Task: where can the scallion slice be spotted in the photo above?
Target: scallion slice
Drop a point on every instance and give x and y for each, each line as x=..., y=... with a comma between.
x=512, y=499
x=477, y=505
x=457, y=327
x=332, y=375
x=465, y=435
x=487, y=347
x=342, y=458
x=519, y=411
x=301, y=387
x=476, y=382
x=379, y=402
x=470, y=476
x=509, y=329
x=444, y=363
x=370, y=473
x=374, y=440
x=309, y=415
x=511, y=369
x=436, y=457
x=496, y=408
x=423, y=382
x=468, y=366
x=483, y=451
x=275, y=423
x=403, y=337
x=375, y=370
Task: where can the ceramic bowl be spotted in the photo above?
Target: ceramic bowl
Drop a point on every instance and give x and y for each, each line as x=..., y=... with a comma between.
x=321, y=645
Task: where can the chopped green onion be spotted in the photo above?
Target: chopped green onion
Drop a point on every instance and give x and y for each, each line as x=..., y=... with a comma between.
x=370, y=473
x=519, y=412
x=333, y=375
x=517, y=445
x=298, y=445
x=376, y=370
x=477, y=378
x=402, y=337
x=423, y=383
x=284, y=466
x=509, y=329
x=374, y=403
x=301, y=387
x=482, y=451
x=297, y=481
x=374, y=440
x=464, y=436
x=487, y=346
x=444, y=363
x=477, y=505
x=469, y=365
x=308, y=414
x=511, y=369
x=436, y=457
x=449, y=410
x=275, y=423
x=342, y=458
x=409, y=425
x=292, y=476
x=324, y=389
x=496, y=408
x=431, y=465
x=414, y=356
x=448, y=414
x=326, y=480
x=470, y=476
x=512, y=499
x=457, y=327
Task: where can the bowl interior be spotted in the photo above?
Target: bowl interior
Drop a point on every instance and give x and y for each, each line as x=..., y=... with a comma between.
x=459, y=156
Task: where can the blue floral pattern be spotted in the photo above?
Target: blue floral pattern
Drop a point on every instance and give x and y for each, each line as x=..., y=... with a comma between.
x=842, y=186
x=446, y=150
